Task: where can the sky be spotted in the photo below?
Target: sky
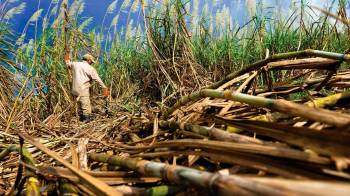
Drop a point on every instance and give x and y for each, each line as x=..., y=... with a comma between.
x=239, y=9
x=95, y=8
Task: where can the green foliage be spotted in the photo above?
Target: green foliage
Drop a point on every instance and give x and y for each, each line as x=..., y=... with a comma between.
x=181, y=39
x=297, y=96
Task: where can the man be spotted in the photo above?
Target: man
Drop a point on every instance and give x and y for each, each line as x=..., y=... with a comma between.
x=83, y=74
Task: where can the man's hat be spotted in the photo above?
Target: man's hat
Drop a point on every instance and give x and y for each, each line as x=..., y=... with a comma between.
x=87, y=57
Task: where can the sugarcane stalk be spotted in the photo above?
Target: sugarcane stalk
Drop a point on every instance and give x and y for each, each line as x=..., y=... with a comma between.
x=339, y=84
x=68, y=189
x=234, y=96
x=261, y=149
x=66, y=173
x=32, y=185
x=28, y=159
x=323, y=141
x=131, y=190
x=327, y=79
x=66, y=28
x=96, y=185
x=307, y=63
x=210, y=131
x=263, y=117
x=306, y=84
x=307, y=187
x=163, y=190
x=261, y=63
x=66, y=36
x=317, y=103
x=282, y=152
x=293, y=109
x=8, y=150
x=219, y=184
x=262, y=163
x=330, y=55
x=328, y=101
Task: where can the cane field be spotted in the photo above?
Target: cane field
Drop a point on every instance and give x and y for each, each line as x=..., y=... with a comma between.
x=207, y=97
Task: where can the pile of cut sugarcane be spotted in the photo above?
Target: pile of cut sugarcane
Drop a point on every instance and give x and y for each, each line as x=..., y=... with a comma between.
x=281, y=126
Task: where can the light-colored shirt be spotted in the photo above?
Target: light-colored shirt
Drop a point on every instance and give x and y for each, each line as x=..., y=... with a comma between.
x=83, y=73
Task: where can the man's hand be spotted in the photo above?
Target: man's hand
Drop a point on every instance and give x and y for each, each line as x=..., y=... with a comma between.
x=105, y=92
x=66, y=57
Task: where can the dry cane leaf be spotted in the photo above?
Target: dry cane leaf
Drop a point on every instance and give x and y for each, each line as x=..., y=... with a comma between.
x=192, y=159
x=341, y=163
x=83, y=158
x=75, y=159
x=94, y=184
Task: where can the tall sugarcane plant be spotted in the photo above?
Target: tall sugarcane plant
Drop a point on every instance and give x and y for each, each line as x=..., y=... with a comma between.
x=176, y=47
x=8, y=84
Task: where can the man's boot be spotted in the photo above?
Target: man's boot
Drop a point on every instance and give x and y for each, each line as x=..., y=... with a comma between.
x=81, y=117
x=87, y=118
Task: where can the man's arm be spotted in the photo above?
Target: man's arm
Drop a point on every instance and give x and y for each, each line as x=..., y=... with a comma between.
x=94, y=76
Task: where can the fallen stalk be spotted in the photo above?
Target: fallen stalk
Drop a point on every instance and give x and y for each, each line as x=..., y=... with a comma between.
x=323, y=102
x=308, y=63
x=211, y=132
x=32, y=187
x=316, y=114
x=96, y=185
x=110, y=178
x=219, y=184
x=281, y=152
x=262, y=149
x=262, y=163
x=329, y=100
x=323, y=142
x=261, y=63
x=306, y=187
